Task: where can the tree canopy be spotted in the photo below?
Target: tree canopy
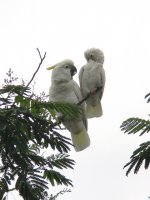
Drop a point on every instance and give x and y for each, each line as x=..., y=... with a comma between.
x=28, y=127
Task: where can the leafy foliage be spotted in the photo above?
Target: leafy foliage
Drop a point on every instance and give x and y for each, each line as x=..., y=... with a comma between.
x=28, y=124
x=136, y=125
x=141, y=154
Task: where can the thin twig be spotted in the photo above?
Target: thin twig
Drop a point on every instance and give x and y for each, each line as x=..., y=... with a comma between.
x=147, y=96
x=41, y=61
x=91, y=93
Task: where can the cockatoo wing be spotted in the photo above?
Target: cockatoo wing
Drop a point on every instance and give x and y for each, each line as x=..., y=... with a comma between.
x=81, y=139
x=102, y=80
x=92, y=77
x=78, y=94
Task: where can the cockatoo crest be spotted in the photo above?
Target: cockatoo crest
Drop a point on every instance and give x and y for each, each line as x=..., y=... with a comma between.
x=95, y=55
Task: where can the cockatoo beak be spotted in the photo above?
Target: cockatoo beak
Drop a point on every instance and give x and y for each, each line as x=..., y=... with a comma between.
x=73, y=71
x=49, y=68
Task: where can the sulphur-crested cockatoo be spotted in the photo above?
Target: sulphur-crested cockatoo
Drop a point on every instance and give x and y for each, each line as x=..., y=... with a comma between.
x=64, y=89
x=92, y=78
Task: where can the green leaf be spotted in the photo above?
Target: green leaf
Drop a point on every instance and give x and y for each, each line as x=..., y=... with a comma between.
x=134, y=125
x=140, y=155
x=54, y=176
x=61, y=161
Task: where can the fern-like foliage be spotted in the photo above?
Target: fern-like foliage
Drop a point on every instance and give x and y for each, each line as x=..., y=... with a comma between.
x=27, y=125
x=142, y=154
x=136, y=125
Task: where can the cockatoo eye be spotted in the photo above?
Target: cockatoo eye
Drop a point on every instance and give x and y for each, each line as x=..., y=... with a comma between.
x=66, y=66
x=91, y=56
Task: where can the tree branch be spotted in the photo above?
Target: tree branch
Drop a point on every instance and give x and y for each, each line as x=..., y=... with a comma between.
x=41, y=61
x=11, y=189
x=91, y=93
x=60, y=119
x=148, y=95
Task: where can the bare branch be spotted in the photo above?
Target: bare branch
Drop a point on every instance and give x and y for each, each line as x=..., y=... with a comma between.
x=11, y=189
x=148, y=96
x=91, y=93
x=39, y=53
x=41, y=61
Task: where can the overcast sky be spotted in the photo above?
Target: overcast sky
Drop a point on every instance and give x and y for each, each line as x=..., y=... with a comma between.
x=65, y=29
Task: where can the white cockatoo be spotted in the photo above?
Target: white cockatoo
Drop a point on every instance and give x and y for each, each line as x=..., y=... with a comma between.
x=64, y=89
x=92, y=78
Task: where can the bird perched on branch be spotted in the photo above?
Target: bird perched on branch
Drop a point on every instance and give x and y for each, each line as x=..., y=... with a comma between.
x=64, y=89
x=92, y=82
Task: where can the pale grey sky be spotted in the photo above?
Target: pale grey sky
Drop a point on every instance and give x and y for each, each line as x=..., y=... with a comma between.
x=65, y=29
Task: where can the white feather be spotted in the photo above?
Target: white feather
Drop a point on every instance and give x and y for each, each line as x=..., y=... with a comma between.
x=91, y=77
x=64, y=89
